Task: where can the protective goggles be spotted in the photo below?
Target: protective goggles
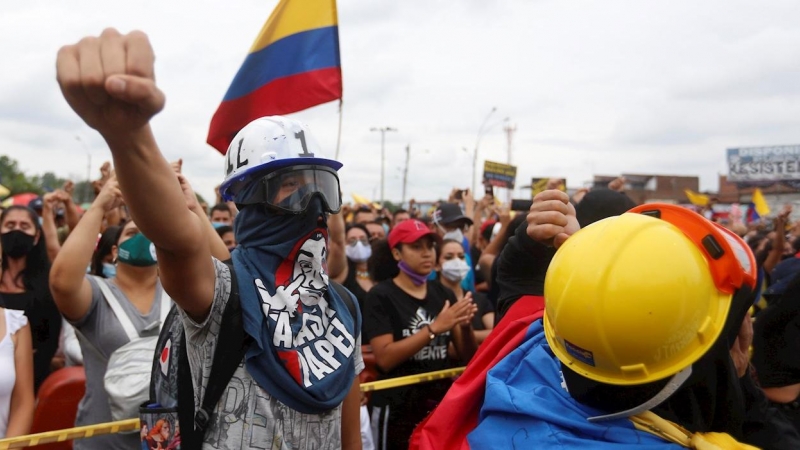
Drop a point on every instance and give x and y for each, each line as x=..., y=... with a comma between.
x=291, y=189
x=731, y=262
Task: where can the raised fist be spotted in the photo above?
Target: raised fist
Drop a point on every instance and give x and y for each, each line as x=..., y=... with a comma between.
x=109, y=81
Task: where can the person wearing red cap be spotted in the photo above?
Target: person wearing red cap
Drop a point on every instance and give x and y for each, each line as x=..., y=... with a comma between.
x=410, y=323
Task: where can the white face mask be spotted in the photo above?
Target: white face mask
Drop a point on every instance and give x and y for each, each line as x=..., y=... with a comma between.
x=456, y=235
x=358, y=252
x=455, y=269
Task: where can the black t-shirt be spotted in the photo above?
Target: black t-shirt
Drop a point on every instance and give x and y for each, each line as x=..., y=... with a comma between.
x=352, y=285
x=776, y=343
x=484, y=307
x=389, y=310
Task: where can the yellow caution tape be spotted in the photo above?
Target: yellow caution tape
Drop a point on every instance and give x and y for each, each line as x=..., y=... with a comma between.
x=134, y=424
x=70, y=434
x=411, y=379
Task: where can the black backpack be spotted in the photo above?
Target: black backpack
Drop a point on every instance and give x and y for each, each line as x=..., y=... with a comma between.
x=177, y=384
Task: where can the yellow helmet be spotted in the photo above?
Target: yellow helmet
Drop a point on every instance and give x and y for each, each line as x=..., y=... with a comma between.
x=639, y=297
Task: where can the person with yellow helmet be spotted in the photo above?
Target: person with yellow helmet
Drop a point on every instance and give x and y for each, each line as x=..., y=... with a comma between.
x=643, y=343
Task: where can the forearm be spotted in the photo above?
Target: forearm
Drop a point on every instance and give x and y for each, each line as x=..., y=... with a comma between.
x=398, y=352
x=69, y=268
x=152, y=192
x=775, y=254
x=494, y=246
x=20, y=416
x=464, y=342
x=215, y=243
x=71, y=214
x=469, y=211
x=351, y=418
x=477, y=220
x=337, y=259
x=50, y=232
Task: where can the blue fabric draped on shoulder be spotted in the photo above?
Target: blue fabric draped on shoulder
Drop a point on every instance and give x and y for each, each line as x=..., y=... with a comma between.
x=527, y=406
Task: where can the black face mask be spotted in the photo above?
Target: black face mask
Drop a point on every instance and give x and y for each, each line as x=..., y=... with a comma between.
x=17, y=243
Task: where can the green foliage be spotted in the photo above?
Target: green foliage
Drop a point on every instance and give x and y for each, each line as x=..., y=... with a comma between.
x=18, y=182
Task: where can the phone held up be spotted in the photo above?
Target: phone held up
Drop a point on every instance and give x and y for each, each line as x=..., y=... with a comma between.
x=521, y=205
x=488, y=190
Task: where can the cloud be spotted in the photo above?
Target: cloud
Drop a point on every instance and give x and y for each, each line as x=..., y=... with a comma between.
x=593, y=87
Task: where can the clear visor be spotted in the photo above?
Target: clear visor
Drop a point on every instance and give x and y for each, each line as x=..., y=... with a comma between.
x=291, y=189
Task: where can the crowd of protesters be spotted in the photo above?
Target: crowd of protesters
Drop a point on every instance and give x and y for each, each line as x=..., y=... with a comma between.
x=420, y=312
x=431, y=290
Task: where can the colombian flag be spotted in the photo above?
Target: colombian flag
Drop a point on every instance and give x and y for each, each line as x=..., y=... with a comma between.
x=696, y=198
x=758, y=207
x=293, y=65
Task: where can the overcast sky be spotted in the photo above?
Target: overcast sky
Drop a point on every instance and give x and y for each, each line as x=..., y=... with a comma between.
x=603, y=87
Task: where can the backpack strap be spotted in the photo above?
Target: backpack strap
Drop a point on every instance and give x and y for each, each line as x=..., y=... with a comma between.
x=112, y=301
x=232, y=344
x=122, y=316
x=350, y=301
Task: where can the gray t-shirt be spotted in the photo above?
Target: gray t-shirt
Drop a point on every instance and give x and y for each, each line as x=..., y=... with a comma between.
x=247, y=417
x=105, y=334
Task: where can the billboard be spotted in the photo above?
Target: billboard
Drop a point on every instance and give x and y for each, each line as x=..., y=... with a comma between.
x=774, y=163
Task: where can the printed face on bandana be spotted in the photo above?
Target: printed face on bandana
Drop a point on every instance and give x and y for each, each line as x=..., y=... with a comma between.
x=311, y=265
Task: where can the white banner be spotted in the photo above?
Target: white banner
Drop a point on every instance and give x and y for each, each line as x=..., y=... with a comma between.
x=775, y=163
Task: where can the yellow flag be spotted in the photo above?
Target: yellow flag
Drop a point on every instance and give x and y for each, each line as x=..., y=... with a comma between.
x=696, y=198
x=360, y=200
x=4, y=191
x=760, y=203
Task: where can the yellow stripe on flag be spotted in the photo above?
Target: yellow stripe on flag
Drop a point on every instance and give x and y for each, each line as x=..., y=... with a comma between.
x=696, y=198
x=4, y=191
x=762, y=207
x=361, y=200
x=295, y=16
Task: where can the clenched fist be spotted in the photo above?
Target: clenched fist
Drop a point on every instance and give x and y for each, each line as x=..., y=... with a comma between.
x=109, y=81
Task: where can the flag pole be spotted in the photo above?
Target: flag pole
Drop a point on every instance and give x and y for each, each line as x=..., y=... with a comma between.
x=339, y=135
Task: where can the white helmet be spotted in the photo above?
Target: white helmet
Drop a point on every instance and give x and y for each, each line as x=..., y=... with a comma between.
x=268, y=144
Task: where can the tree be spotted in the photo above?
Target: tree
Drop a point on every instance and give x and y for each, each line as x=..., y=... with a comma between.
x=16, y=181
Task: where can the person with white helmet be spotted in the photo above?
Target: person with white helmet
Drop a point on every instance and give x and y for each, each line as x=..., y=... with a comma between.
x=296, y=385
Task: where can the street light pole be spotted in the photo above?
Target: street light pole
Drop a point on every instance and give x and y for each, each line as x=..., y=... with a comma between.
x=477, y=143
x=383, y=131
x=88, y=192
x=405, y=175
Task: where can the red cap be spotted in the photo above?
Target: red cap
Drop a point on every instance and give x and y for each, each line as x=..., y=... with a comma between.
x=408, y=231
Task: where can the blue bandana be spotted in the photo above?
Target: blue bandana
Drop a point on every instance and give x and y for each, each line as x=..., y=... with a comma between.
x=304, y=335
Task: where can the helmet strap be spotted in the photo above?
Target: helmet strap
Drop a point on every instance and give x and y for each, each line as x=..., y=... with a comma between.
x=673, y=385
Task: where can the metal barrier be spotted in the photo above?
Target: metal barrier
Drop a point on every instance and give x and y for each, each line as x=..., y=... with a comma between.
x=133, y=424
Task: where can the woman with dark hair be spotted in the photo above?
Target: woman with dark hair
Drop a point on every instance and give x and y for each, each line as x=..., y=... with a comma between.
x=24, y=285
x=356, y=276
x=104, y=259
x=451, y=268
x=410, y=323
x=382, y=265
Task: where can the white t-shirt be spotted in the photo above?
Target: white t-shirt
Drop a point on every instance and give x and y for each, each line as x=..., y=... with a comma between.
x=247, y=416
x=8, y=376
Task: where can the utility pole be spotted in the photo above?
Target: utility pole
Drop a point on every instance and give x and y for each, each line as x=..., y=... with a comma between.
x=481, y=130
x=405, y=174
x=510, y=130
x=383, y=131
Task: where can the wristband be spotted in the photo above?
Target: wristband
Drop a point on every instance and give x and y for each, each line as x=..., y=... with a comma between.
x=431, y=334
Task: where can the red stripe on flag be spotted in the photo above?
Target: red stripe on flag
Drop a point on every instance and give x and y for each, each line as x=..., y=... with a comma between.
x=282, y=96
